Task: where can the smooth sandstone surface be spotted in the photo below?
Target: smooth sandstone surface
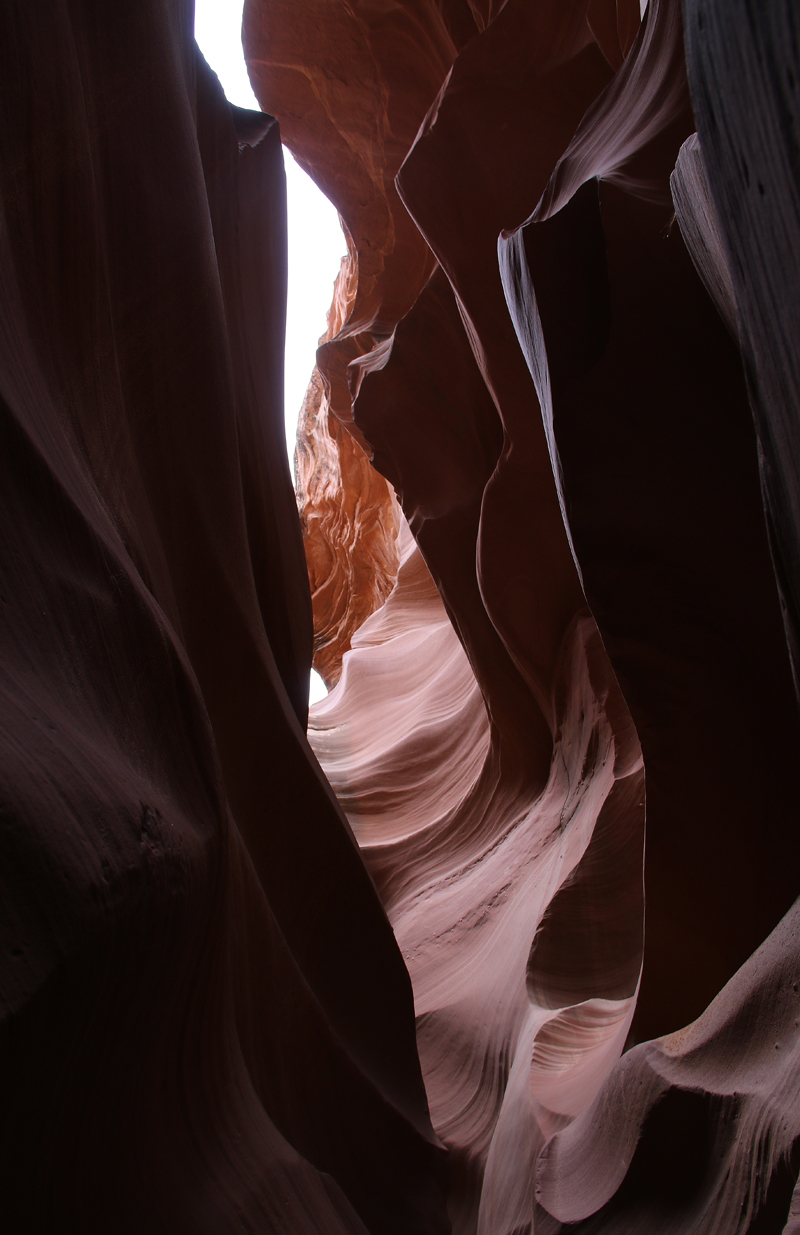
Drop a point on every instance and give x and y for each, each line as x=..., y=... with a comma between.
x=200, y=988
x=502, y=938
x=566, y=422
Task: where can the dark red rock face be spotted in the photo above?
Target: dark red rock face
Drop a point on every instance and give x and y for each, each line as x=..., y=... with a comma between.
x=207, y=1025
x=548, y=814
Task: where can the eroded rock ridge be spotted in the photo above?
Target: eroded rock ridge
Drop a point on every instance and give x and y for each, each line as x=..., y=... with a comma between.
x=501, y=939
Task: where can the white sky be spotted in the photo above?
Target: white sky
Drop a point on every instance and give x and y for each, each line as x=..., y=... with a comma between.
x=316, y=241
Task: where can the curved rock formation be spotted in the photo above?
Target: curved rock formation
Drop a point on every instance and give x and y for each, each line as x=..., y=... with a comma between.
x=556, y=833
x=350, y=522
x=568, y=432
x=352, y=92
x=200, y=988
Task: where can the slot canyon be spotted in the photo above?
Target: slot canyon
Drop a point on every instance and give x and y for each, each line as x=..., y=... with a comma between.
x=501, y=936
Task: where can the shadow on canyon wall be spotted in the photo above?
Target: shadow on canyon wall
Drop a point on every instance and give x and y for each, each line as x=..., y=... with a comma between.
x=502, y=936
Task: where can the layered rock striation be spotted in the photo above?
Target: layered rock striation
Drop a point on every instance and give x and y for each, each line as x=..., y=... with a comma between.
x=503, y=937
x=567, y=421
x=200, y=989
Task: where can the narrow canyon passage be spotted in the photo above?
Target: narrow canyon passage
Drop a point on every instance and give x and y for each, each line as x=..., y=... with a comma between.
x=500, y=936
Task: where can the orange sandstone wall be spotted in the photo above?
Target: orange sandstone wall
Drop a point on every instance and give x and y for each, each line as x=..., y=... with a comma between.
x=563, y=412
x=501, y=938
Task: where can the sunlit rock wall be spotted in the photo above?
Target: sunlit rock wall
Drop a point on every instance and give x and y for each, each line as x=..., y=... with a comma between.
x=503, y=939
x=583, y=392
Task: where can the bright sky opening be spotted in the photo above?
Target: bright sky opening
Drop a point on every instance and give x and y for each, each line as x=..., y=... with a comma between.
x=316, y=241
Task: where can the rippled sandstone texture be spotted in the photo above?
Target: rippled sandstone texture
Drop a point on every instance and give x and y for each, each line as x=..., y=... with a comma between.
x=585, y=639
x=557, y=395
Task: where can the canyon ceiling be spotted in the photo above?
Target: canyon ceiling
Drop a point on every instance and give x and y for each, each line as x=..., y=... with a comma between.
x=502, y=938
